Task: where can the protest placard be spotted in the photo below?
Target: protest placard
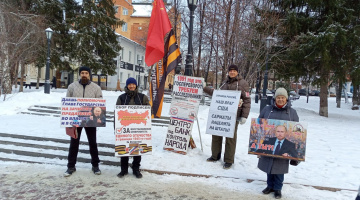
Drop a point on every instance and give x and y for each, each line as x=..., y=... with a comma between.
x=265, y=135
x=132, y=130
x=186, y=96
x=83, y=112
x=222, y=113
x=178, y=135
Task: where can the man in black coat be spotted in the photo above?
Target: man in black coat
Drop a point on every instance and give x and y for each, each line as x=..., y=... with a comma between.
x=281, y=146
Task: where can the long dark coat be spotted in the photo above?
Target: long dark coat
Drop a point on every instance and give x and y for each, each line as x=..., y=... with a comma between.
x=276, y=165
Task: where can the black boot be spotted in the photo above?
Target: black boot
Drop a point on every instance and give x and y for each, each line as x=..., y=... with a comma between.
x=277, y=194
x=267, y=190
x=137, y=173
x=122, y=174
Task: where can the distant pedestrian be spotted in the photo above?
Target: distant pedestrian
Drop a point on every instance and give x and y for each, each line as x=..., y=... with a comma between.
x=53, y=82
x=84, y=88
x=170, y=86
x=277, y=167
x=131, y=97
x=28, y=82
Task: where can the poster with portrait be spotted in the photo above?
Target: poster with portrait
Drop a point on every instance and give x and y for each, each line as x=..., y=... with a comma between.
x=278, y=138
x=83, y=112
x=132, y=130
x=186, y=96
x=178, y=135
x=222, y=113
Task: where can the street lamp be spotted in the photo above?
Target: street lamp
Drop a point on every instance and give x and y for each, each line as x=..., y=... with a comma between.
x=139, y=63
x=118, y=75
x=269, y=41
x=48, y=32
x=257, y=92
x=188, y=66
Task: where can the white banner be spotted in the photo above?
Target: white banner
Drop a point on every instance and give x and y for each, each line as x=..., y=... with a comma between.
x=186, y=96
x=178, y=135
x=132, y=130
x=222, y=113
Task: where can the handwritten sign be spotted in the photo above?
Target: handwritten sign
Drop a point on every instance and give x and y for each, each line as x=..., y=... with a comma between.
x=178, y=135
x=222, y=113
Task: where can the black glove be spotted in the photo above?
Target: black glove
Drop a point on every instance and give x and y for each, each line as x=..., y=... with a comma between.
x=294, y=162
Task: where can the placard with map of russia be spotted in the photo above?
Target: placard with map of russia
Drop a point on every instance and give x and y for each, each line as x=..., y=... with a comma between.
x=132, y=130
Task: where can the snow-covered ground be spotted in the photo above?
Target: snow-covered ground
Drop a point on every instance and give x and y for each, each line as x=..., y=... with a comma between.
x=332, y=159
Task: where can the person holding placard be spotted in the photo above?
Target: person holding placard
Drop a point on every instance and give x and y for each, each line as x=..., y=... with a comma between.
x=277, y=167
x=131, y=97
x=84, y=88
x=233, y=82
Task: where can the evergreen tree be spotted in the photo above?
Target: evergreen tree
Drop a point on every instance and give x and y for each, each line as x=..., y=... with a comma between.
x=317, y=39
x=95, y=37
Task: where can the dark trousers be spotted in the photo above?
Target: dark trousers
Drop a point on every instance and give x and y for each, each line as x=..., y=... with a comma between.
x=74, y=147
x=230, y=147
x=124, y=162
x=275, y=181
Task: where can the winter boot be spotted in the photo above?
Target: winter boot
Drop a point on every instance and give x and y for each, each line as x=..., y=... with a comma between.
x=137, y=173
x=69, y=171
x=96, y=170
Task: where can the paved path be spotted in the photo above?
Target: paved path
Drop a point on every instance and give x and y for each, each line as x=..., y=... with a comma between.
x=35, y=181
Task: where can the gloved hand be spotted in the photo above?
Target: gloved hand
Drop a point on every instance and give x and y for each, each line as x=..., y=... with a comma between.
x=242, y=120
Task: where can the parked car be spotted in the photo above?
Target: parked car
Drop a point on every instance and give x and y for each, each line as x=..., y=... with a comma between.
x=302, y=92
x=314, y=93
x=293, y=95
x=349, y=94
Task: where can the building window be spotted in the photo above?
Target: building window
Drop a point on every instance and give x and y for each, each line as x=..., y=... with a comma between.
x=125, y=11
x=116, y=8
x=129, y=56
x=124, y=27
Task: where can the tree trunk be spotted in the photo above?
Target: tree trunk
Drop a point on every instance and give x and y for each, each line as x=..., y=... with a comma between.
x=355, y=99
x=323, y=110
x=38, y=78
x=338, y=94
x=226, y=39
x=22, y=74
x=202, y=16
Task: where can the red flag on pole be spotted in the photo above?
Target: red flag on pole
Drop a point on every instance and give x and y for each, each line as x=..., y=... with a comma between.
x=158, y=27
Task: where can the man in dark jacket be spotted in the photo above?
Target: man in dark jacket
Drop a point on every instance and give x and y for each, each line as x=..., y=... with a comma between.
x=233, y=82
x=53, y=82
x=84, y=88
x=282, y=146
x=276, y=167
x=131, y=97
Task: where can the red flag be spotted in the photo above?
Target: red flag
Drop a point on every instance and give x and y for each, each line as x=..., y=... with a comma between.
x=158, y=27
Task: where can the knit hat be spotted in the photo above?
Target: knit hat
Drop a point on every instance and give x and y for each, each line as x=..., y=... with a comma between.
x=84, y=68
x=281, y=92
x=131, y=80
x=233, y=67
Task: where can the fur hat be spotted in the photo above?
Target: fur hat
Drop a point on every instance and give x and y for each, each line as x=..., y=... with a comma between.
x=281, y=92
x=84, y=68
x=131, y=80
x=233, y=67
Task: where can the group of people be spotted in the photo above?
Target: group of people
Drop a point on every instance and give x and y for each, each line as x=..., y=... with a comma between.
x=84, y=88
x=280, y=109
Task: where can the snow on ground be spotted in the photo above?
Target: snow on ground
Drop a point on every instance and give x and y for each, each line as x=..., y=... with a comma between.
x=332, y=159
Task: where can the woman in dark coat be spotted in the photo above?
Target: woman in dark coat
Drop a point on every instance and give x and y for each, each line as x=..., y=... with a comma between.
x=276, y=167
x=131, y=97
